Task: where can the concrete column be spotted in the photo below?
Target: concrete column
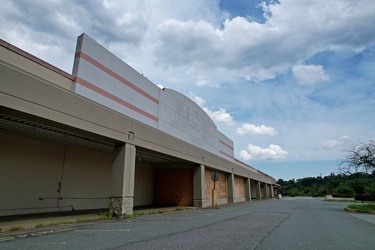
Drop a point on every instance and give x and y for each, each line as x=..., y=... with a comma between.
x=267, y=190
x=247, y=189
x=199, y=184
x=122, y=182
x=231, y=188
x=259, y=193
x=272, y=192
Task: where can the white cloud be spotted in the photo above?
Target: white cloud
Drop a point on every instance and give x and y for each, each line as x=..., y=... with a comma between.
x=222, y=115
x=329, y=144
x=273, y=152
x=345, y=137
x=203, y=80
x=260, y=51
x=197, y=99
x=196, y=35
x=308, y=74
x=256, y=130
x=333, y=143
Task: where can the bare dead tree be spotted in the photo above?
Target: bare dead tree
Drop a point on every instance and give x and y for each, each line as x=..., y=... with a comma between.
x=359, y=157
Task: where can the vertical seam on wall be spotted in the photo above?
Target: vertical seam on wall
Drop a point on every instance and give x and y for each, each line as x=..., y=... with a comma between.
x=61, y=177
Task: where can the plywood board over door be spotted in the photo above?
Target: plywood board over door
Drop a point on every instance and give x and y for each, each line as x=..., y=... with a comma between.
x=173, y=187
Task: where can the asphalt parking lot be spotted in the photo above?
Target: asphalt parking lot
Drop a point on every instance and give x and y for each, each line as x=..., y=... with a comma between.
x=291, y=223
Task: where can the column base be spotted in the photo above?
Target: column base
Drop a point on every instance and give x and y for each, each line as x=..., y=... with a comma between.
x=199, y=203
x=121, y=206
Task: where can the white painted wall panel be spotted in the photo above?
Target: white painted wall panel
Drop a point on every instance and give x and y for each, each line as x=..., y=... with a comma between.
x=167, y=110
x=90, y=94
x=112, y=62
x=104, y=81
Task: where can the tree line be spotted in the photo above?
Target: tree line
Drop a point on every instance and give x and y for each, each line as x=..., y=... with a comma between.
x=357, y=177
x=359, y=185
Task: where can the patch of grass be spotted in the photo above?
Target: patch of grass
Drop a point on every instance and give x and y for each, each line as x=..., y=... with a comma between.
x=62, y=222
x=82, y=220
x=182, y=208
x=363, y=208
x=99, y=217
x=342, y=200
x=134, y=215
x=39, y=225
x=15, y=228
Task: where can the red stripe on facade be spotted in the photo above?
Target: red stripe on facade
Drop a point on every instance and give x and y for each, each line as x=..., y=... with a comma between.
x=115, y=75
x=114, y=98
x=226, y=144
x=221, y=152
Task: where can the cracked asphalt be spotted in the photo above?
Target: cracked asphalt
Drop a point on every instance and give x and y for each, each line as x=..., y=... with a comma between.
x=291, y=223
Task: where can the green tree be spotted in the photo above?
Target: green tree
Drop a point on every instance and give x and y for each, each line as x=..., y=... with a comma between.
x=370, y=191
x=358, y=185
x=343, y=190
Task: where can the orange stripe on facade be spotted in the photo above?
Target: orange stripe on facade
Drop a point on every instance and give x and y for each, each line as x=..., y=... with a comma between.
x=226, y=144
x=115, y=75
x=221, y=152
x=114, y=98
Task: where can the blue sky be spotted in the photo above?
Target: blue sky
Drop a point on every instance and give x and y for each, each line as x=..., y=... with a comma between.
x=290, y=82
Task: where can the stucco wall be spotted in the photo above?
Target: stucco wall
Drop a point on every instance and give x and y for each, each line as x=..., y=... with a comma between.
x=32, y=168
x=143, y=185
x=86, y=178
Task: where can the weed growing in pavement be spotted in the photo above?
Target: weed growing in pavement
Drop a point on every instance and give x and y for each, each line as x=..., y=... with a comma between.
x=55, y=223
x=181, y=208
x=15, y=228
x=39, y=225
x=134, y=215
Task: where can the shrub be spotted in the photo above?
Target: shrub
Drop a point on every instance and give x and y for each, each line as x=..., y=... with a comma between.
x=343, y=190
x=370, y=191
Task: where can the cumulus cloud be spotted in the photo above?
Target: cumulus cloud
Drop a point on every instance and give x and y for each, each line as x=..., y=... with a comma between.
x=255, y=130
x=262, y=50
x=197, y=35
x=197, y=99
x=273, y=152
x=221, y=115
x=308, y=74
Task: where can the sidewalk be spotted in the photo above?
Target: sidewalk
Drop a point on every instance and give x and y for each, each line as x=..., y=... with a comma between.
x=18, y=222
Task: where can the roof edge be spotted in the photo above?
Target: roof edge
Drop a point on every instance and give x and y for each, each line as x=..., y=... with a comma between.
x=35, y=59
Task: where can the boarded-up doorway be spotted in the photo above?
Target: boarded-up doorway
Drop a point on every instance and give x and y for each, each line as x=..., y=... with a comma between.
x=173, y=187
